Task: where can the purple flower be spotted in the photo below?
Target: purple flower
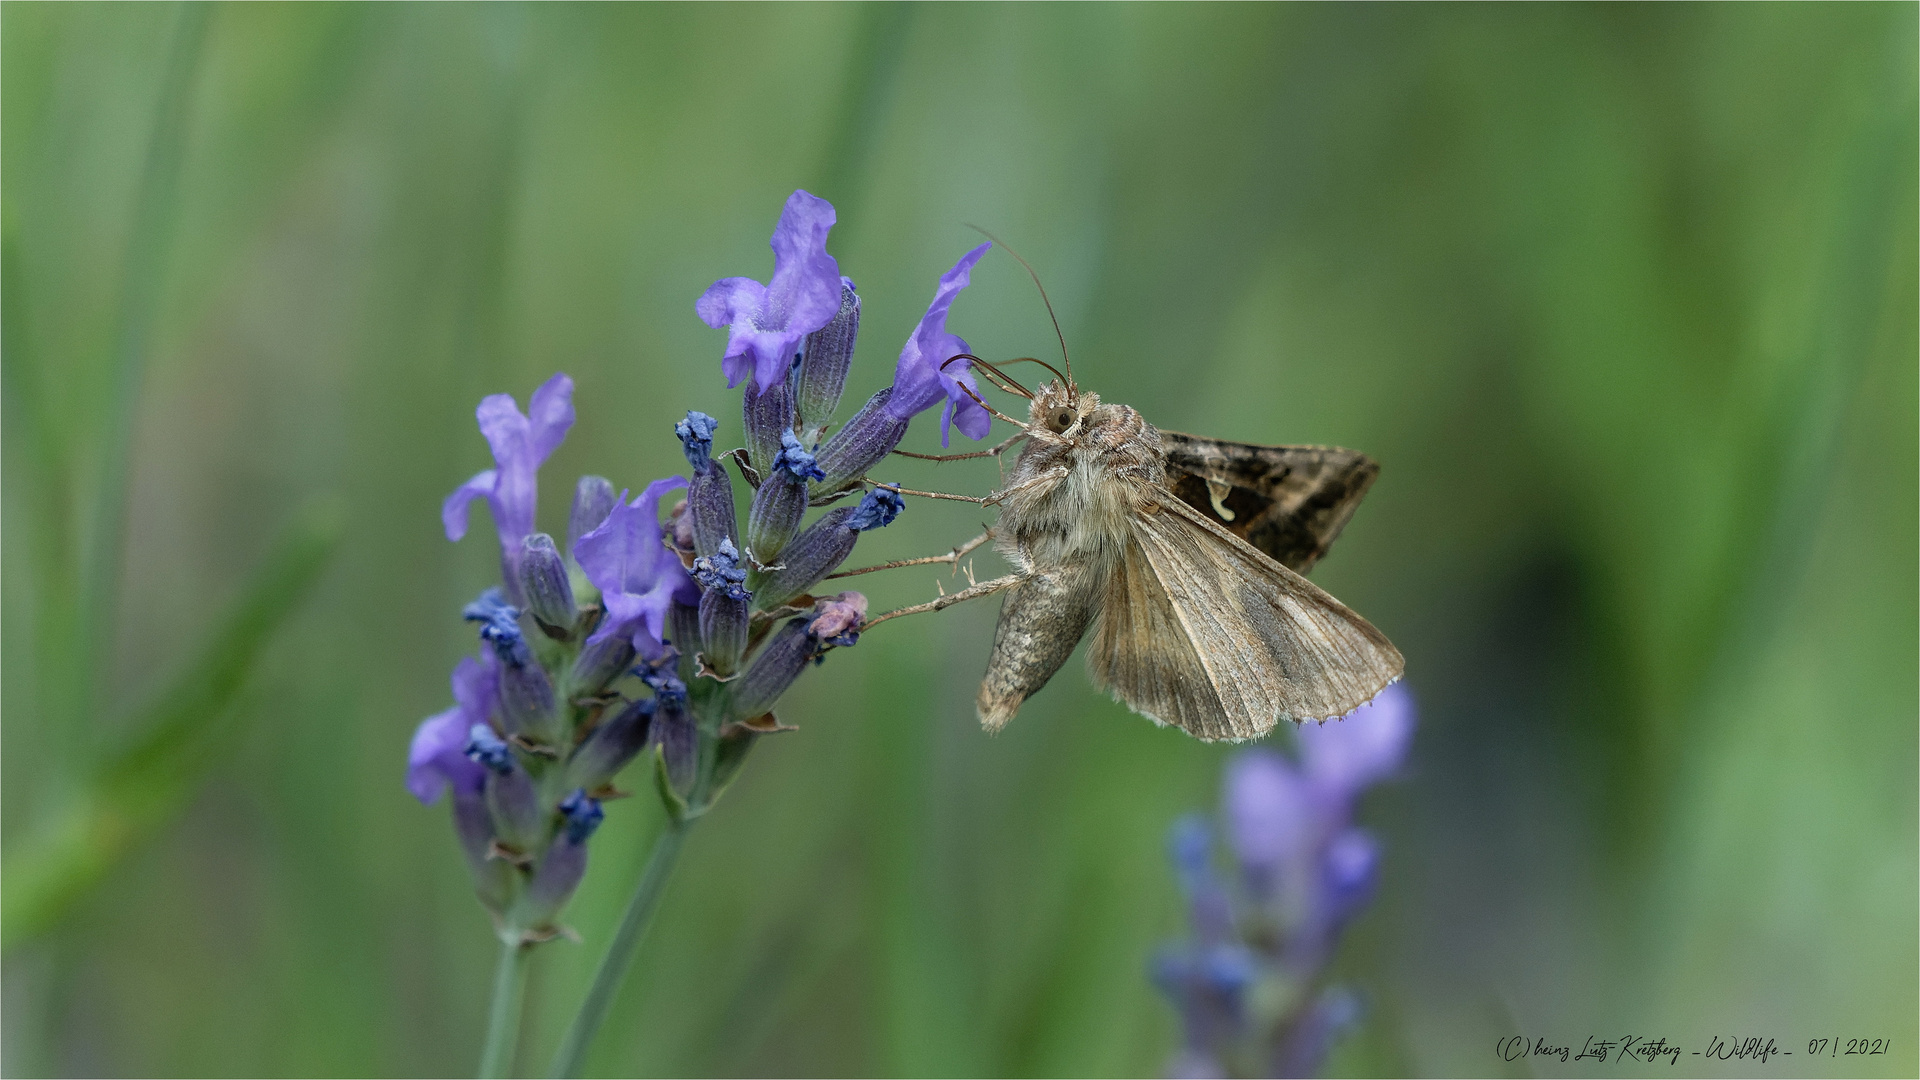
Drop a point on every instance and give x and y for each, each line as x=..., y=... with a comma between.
x=767, y=323
x=635, y=571
x=1364, y=747
x=1304, y=872
x=1270, y=815
x=520, y=443
x=438, y=757
x=919, y=382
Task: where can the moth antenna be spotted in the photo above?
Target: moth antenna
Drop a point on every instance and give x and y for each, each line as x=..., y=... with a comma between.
x=994, y=375
x=1036, y=360
x=1064, y=358
x=977, y=400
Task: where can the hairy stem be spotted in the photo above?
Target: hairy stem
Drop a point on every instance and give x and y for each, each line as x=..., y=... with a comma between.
x=626, y=942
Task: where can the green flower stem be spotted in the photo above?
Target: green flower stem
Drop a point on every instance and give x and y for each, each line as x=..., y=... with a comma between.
x=626, y=942
x=503, y=1020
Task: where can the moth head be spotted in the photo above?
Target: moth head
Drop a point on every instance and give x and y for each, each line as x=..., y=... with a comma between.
x=1058, y=409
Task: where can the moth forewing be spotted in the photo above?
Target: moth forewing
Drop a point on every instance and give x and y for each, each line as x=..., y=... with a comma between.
x=1205, y=632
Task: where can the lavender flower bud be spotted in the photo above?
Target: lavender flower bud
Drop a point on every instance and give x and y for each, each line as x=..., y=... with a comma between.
x=866, y=440
x=823, y=365
x=781, y=502
x=527, y=700
x=600, y=662
x=779, y=663
x=683, y=622
x=593, y=500
x=723, y=630
x=769, y=415
x=696, y=438
x=563, y=866
x=612, y=745
x=710, y=508
x=526, y=696
x=543, y=580
x=518, y=818
x=816, y=552
x=673, y=732
x=834, y=622
x=877, y=510
x=473, y=824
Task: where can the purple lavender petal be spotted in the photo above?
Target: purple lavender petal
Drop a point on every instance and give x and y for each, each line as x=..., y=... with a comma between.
x=475, y=688
x=519, y=445
x=515, y=486
x=1342, y=757
x=431, y=751
x=919, y=382
x=550, y=414
x=1270, y=813
x=453, y=512
x=637, y=575
x=733, y=303
x=766, y=324
x=438, y=754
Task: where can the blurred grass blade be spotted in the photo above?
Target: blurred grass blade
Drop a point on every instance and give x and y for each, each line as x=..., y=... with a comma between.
x=148, y=248
x=139, y=788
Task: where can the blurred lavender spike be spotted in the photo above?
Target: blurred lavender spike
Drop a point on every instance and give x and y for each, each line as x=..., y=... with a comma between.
x=1249, y=983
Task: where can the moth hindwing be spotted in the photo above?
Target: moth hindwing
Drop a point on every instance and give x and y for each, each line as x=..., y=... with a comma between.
x=1288, y=501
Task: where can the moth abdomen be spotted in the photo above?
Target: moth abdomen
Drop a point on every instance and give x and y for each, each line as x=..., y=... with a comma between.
x=1040, y=623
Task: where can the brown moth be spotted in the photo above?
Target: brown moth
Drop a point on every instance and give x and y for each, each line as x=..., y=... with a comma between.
x=1184, y=556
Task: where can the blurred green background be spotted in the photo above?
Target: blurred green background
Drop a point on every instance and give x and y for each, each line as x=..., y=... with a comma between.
x=1622, y=297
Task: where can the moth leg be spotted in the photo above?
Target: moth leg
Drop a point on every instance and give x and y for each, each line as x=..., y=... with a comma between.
x=973, y=593
x=995, y=452
x=1052, y=475
x=953, y=557
x=897, y=489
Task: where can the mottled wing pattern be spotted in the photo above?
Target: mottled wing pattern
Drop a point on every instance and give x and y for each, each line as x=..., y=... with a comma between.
x=1288, y=501
x=1202, y=631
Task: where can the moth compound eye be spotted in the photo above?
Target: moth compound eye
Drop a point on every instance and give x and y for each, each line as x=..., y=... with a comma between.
x=1060, y=419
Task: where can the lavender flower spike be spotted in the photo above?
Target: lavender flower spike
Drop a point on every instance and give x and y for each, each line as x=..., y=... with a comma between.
x=919, y=382
x=635, y=571
x=767, y=323
x=1304, y=870
x=520, y=442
